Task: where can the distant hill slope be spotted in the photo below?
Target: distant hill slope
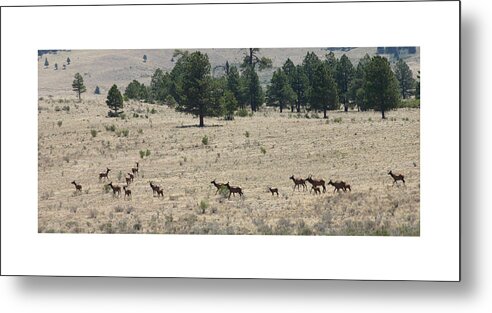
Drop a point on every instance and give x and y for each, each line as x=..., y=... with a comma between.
x=104, y=68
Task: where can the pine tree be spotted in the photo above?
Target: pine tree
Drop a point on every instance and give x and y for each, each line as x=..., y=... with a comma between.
x=356, y=89
x=251, y=59
x=56, y=66
x=134, y=90
x=46, y=63
x=78, y=85
x=159, y=86
x=300, y=85
x=405, y=78
x=323, y=95
x=114, y=101
x=417, y=86
x=68, y=61
x=145, y=58
x=97, y=91
x=229, y=105
x=197, y=88
x=343, y=75
x=251, y=88
x=381, y=85
x=280, y=93
x=234, y=85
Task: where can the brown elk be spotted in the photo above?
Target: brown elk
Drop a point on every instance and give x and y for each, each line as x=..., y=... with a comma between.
x=131, y=176
x=234, y=190
x=135, y=170
x=160, y=192
x=397, y=177
x=316, y=190
x=298, y=182
x=128, y=180
x=116, y=189
x=316, y=182
x=128, y=192
x=339, y=185
x=273, y=191
x=155, y=188
x=104, y=174
x=217, y=185
x=77, y=186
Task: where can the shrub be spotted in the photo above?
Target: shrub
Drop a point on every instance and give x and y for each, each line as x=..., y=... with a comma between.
x=263, y=150
x=242, y=112
x=337, y=120
x=409, y=103
x=153, y=111
x=57, y=109
x=111, y=128
x=205, y=140
x=93, y=133
x=142, y=154
x=125, y=132
x=147, y=153
x=203, y=206
x=59, y=123
x=140, y=131
x=66, y=108
x=246, y=134
x=314, y=115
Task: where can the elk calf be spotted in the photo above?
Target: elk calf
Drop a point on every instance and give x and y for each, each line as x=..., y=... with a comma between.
x=273, y=191
x=160, y=192
x=135, y=170
x=128, y=180
x=77, y=186
x=104, y=174
x=234, y=190
x=316, y=190
x=131, y=176
x=128, y=192
x=397, y=177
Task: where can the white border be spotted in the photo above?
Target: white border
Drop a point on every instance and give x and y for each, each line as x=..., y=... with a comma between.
x=434, y=26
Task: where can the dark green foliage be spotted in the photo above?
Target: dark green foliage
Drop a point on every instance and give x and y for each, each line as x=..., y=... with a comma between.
x=136, y=90
x=300, y=85
x=56, y=66
x=343, y=75
x=234, y=85
x=417, y=86
x=356, y=89
x=68, y=61
x=323, y=95
x=331, y=61
x=46, y=63
x=144, y=58
x=252, y=88
x=309, y=64
x=279, y=92
x=78, y=85
x=196, y=85
x=97, y=91
x=381, y=86
x=114, y=101
x=230, y=105
x=405, y=78
x=160, y=84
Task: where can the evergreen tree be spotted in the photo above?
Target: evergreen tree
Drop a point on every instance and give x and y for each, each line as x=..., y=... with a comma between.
x=46, y=63
x=251, y=88
x=381, y=85
x=114, y=101
x=234, y=85
x=405, y=78
x=197, y=88
x=343, y=75
x=78, y=85
x=229, y=104
x=356, y=89
x=97, y=91
x=144, y=58
x=134, y=90
x=309, y=64
x=280, y=93
x=56, y=66
x=176, y=75
x=300, y=85
x=250, y=61
x=323, y=95
x=159, y=86
x=68, y=61
x=332, y=62
x=417, y=86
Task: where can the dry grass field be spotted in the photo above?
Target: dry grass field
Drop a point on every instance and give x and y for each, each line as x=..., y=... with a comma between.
x=77, y=142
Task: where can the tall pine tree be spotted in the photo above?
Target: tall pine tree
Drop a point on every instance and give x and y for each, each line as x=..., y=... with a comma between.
x=78, y=85
x=114, y=101
x=323, y=95
x=280, y=93
x=343, y=75
x=405, y=78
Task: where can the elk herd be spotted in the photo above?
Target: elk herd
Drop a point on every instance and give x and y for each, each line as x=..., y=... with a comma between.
x=316, y=184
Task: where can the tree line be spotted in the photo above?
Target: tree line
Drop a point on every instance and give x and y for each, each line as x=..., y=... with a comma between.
x=316, y=84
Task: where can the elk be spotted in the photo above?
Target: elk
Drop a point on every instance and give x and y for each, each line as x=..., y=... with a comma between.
x=339, y=185
x=273, y=191
x=135, y=170
x=234, y=190
x=131, y=176
x=298, y=182
x=160, y=192
x=397, y=177
x=155, y=188
x=316, y=182
x=77, y=186
x=116, y=189
x=316, y=190
x=217, y=185
x=128, y=180
x=128, y=192
x=104, y=174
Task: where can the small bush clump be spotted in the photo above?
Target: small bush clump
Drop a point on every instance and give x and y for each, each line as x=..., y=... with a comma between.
x=242, y=113
x=59, y=123
x=337, y=120
x=205, y=140
x=93, y=133
x=263, y=150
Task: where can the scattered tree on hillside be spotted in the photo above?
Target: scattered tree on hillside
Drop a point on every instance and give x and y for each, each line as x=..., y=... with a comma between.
x=114, y=101
x=230, y=105
x=405, y=78
x=344, y=73
x=234, y=85
x=356, y=89
x=252, y=89
x=97, y=91
x=197, y=87
x=144, y=58
x=279, y=92
x=46, y=63
x=56, y=66
x=300, y=85
x=417, y=86
x=159, y=86
x=323, y=95
x=381, y=86
x=136, y=90
x=68, y=61
x=78, y=85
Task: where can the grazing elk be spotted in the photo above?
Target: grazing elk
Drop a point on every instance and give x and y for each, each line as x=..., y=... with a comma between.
x=217, y=185
x=273, y=191
x=128, y=192
x=316, y=182
x=116, y=189
x=131, y=176
x=298, y=182
x=135, y=170
x=155, y=188
x=339, y=185
x=104, y=174
x=316, y=190
x=397, y=177
x=234, y=190
x=77, y=186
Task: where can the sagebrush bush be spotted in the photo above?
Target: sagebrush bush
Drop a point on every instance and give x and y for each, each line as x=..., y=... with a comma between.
x=93, y=133
x=242, y=112
x=205, y=140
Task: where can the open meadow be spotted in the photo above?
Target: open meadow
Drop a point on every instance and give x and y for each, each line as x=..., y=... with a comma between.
x=77, y=141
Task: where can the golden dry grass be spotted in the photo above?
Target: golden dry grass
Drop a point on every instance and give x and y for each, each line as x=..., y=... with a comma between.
x=360, y=149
